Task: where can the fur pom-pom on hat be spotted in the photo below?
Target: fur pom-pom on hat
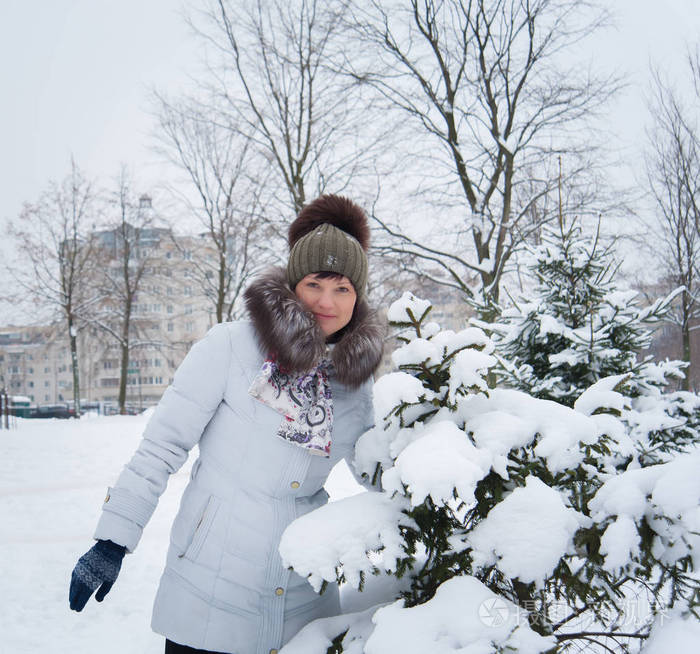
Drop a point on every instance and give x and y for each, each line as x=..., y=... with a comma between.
x=335, y=210
x=330, y=235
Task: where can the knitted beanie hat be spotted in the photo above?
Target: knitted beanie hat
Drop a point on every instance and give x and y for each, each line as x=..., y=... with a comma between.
x=329, y=235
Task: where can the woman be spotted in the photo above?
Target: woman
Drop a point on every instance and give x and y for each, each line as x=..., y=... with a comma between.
x=273, y=405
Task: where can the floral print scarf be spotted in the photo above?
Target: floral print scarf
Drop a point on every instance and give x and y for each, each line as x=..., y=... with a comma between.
x=304, y=400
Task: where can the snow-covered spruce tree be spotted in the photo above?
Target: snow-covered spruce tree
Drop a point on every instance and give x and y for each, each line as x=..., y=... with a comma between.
x=507, y=517
x=576, y=326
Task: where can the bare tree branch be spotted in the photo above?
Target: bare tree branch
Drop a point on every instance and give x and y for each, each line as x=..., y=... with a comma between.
x=478, y=78
x=239, y=236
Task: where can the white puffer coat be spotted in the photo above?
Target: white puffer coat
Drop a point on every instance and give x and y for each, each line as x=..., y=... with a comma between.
x=224, y=587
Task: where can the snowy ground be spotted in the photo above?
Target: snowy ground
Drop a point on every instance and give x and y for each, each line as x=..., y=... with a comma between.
x=53, y=478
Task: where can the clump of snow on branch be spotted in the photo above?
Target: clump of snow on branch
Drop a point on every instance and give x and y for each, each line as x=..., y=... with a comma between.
x=407, y=309
x=673, y=634
x=416, y=351
x=318, y=635
x=527, y=533
x=602, y=395
x=468, y=370
x=395, y=389
x=464, y=616
x=666, y=496
x=338, y=536
x=559, y=429
x=439, y=463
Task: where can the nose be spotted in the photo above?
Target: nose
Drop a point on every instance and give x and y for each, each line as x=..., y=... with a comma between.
x=325, y=300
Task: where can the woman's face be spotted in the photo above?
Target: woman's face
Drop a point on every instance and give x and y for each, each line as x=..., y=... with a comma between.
x=331, y=300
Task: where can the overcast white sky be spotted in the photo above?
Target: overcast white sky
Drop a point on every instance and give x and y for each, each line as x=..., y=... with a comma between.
x=76, y=74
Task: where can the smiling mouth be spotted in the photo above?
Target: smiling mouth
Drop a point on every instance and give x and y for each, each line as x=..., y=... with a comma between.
x=322, y=315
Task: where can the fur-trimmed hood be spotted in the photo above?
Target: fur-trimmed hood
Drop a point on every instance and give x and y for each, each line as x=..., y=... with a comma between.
x=286, y=329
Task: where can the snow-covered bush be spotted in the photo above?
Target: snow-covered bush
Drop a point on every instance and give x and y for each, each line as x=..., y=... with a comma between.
x=508, y=517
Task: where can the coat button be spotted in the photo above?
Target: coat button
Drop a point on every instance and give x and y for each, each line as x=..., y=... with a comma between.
x=273, y=651
x=294, y=485
x=107, y=498
x=279, y=591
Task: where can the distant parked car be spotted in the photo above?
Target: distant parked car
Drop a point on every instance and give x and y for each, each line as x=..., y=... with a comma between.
x=20, y=406
x=52, y=411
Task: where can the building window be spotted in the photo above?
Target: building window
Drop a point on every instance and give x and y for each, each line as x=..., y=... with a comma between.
x=169, y=308
x=189, y=326
x=188, y=309
x=31, y=384
x=170, y=326
x=47, y=384
x=188, y=291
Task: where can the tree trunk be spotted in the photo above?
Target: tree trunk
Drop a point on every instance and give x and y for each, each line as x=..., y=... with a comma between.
x=124, y=365
x=221, y=294
x=685, y=330
x=73, y=336
x=123, y=377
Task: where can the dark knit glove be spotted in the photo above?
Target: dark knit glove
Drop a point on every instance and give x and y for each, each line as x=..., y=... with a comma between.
x=98, y=567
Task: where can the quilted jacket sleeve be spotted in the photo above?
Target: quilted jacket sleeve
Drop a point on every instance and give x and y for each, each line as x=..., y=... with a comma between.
x=175, y=427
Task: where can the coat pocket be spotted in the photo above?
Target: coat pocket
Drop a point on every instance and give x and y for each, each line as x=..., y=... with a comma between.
x=200, y=529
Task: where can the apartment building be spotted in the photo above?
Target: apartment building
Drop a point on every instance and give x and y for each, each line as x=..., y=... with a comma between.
x=36, y=363
x=169, y=314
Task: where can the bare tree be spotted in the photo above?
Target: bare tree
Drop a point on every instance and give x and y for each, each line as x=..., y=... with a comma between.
x=673, y=171
x=278, y=85
x=229, y=193
x=124, y=249
x=54, y=242
x=478, y=79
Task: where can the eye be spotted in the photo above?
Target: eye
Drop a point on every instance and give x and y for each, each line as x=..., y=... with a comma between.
x=312, y=284
x=343, y=289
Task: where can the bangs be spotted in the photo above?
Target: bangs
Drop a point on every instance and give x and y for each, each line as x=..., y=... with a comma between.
x=327, y=274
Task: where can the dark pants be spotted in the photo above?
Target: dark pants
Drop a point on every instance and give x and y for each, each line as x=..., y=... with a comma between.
x=174, y=648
